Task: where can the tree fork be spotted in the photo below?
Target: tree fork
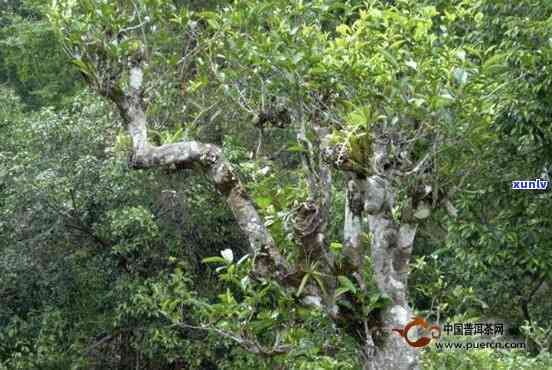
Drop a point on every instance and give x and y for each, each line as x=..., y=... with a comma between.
x=208, y=158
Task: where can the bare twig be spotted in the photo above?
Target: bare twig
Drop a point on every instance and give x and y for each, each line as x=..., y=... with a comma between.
x=249, y=345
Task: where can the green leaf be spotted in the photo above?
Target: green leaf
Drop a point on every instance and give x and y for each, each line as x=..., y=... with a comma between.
x=497, y=61
x=336, y=247
x=390, y=58
x=319, y=282
x=346, y=283
x=83, y=66
x=297, y=58
x=215, y=259
x=243, y=259
x=302, y=285
x=340, y=291
x=298, y=148
x=263, y=202
x=213, y=23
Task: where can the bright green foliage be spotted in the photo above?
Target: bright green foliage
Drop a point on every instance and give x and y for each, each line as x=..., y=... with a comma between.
x=260, y=310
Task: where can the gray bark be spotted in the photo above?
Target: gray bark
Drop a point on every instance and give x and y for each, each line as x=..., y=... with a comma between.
x=353, y=227
x=392, y=243
x=391, y=246
x=392, y=240
x=207, y=158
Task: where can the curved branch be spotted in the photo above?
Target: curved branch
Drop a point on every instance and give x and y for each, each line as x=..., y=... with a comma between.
x=209, y=159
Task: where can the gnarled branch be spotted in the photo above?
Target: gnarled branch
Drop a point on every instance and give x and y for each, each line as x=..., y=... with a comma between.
x=206, y=157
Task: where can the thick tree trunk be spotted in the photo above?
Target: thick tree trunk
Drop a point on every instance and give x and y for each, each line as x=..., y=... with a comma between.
x=392, y=243
x=391, y=246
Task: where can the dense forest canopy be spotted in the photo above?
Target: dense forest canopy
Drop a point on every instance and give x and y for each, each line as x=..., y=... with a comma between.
x=273, y=184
